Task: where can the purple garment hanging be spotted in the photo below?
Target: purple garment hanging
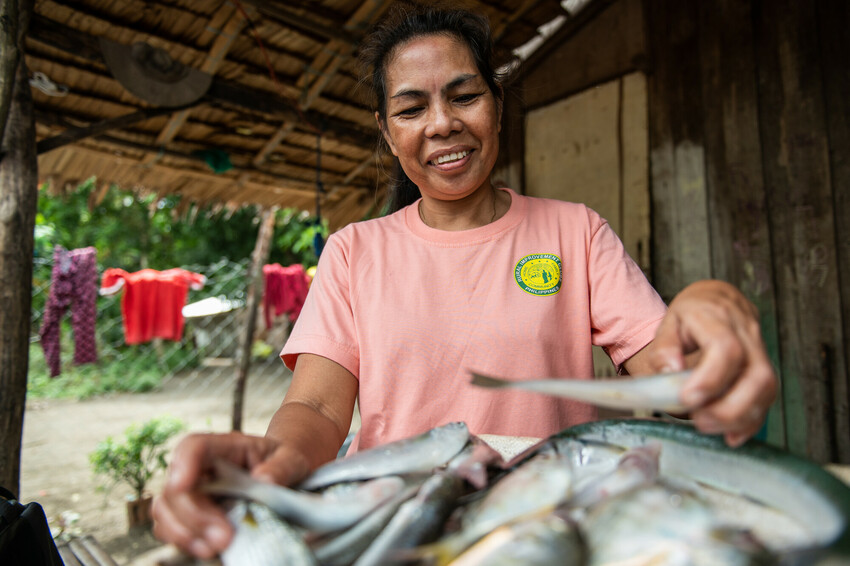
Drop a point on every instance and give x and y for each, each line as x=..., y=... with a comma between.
x=73, y=283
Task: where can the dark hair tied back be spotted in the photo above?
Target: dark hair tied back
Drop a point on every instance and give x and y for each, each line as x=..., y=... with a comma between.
x=404, y=22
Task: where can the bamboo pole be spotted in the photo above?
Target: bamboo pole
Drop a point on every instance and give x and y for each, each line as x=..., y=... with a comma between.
x=255, y=290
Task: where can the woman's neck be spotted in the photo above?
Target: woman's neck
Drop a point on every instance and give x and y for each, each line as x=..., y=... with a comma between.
x=476, y=210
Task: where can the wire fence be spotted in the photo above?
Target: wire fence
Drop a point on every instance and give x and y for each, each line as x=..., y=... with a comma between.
x=206, y=359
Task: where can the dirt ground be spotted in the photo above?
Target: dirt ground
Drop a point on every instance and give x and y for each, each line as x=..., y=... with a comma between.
x=60, y=434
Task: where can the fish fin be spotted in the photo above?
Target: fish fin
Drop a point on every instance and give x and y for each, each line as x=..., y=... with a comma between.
x=491, y=382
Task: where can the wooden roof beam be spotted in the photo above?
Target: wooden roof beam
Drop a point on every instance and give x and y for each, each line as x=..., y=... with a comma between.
x=86, y=46
x=217, y=54
x=301, y=21
x=327, y=63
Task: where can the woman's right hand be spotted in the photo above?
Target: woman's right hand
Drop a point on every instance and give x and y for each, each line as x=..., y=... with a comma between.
x=185, y=516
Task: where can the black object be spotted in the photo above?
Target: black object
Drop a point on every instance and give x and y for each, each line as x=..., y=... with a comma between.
x=25, y=538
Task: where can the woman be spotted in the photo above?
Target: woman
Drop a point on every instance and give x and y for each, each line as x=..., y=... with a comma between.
x=469, y=276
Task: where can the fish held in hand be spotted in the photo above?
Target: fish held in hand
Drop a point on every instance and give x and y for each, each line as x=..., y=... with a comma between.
x=261, y=538
x=417, y=454
x=658, y=392
x=334, y=510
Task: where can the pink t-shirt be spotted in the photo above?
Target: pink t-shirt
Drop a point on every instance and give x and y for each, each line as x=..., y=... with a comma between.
x=410, y=310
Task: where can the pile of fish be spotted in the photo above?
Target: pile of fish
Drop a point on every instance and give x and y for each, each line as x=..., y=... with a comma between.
x=621, y=492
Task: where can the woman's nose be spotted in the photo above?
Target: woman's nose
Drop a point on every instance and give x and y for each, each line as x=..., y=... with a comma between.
x=441, y=121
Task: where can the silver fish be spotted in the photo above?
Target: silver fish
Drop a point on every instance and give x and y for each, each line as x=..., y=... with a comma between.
x=794, y=486
x=658, y=392
x=542, y=541
x=536, y=486
x=320, y=513
x=418, y=454
x=419, y=520
x=637, y=467
x=341, y=549
x=261, y=538
x=660, y=526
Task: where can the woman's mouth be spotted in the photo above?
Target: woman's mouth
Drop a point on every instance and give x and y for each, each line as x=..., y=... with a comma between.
x=451, y=158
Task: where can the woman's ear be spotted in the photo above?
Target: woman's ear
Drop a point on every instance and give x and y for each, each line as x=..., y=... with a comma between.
x=384, y=132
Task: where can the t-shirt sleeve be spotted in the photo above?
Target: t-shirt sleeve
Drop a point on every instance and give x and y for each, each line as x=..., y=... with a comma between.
x=325, y=326
x=625, y=310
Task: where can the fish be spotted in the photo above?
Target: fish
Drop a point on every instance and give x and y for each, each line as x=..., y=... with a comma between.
x=418, y=454
x=657, y=392
x=773, y=478
x=261, y=538
x=320, y=513
x=659, y=525
x=473, y=462
x=540, y=484
x=418, y=520
x=637, y=467
x=541, y=541
x=343, y=548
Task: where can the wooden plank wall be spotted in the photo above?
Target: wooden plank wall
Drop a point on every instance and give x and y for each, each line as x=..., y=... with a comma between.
x=742, y=85
x=749, y=137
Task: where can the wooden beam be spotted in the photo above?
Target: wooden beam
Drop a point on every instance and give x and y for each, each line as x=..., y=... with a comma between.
x=500, y=28
x=359, y=168
x=222, y=91
x=331, y=58
x=272, y=143
x=302, y=21
x=327, y=63
x=210, y=66
x=72, y=135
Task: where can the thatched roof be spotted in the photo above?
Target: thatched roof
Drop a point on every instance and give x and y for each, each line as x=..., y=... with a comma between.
x=280, y=76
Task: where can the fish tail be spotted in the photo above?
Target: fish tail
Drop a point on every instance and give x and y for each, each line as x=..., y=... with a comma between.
x=485, y=381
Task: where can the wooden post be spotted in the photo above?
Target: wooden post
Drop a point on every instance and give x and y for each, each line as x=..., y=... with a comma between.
x=18, y=202
x=255, y=289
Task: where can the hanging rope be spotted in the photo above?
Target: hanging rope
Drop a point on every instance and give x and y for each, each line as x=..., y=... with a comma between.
x=318, y=240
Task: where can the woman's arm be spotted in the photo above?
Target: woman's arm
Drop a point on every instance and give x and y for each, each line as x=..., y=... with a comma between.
x=313, y=420
x=713, y=328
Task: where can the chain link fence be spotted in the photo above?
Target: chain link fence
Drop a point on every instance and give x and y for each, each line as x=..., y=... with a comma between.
x=205, y=360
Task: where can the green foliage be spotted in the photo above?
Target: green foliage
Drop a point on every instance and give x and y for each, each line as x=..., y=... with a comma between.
x=89, y=380
x=134, y=232
x=139, y=457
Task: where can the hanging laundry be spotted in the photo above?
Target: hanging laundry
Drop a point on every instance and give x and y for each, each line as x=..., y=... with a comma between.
x=73, y=283
x=285, y=291
x=153, y=301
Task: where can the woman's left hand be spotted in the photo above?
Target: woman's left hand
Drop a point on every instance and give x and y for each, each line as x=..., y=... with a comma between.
x=733, y=383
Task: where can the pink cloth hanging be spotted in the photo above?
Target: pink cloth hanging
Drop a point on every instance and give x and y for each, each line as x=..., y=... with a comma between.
x=285, y=291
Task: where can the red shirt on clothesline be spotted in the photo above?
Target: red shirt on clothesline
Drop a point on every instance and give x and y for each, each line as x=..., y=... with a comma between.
x=153, y=301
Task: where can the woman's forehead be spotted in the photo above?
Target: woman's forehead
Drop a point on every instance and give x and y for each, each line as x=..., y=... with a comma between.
x=425, y=59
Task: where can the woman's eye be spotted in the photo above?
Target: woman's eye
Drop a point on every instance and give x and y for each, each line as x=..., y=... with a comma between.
x=467, y=98
x=412, y=111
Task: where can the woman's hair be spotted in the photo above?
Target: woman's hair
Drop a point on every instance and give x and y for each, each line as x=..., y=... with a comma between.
x=403, y=23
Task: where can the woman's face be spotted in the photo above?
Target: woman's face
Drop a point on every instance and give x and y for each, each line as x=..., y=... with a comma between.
x=442, y=120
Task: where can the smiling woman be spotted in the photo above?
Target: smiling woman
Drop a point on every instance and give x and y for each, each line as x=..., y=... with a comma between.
x=461, y=275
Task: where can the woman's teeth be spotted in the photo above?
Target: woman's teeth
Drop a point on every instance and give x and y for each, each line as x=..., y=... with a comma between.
x=451, y=157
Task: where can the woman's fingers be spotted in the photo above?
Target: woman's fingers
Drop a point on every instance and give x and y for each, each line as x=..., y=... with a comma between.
x=734, y=383
x=185, y=516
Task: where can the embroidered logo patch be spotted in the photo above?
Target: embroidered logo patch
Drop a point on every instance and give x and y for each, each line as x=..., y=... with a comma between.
x=539, y=274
